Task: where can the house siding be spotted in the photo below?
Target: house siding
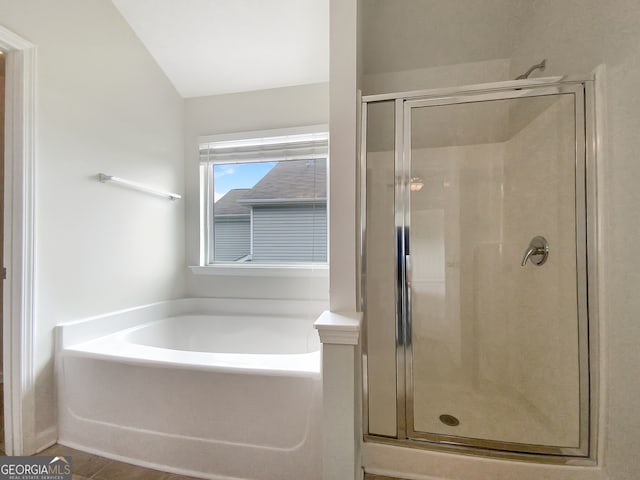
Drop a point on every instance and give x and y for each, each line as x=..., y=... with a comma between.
x=232, y=238
x=290, y=233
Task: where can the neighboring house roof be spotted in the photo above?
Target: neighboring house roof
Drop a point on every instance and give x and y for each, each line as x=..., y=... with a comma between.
x=228, y=204
x=301, y=180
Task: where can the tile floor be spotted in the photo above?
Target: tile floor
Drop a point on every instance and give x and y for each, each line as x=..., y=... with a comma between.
x=87, y=466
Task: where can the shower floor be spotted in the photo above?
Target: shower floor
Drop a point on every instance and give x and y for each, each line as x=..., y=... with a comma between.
x=496, y=414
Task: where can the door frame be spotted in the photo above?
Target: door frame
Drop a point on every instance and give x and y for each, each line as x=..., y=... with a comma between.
x=19, y=244
x=404, y=203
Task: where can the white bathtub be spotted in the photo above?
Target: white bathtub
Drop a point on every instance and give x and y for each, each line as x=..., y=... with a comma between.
x=220, y=396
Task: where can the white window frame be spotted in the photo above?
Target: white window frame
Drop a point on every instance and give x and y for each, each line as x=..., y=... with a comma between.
x=206, y=265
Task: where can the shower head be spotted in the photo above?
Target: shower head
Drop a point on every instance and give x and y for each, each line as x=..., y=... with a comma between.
x=538, y=66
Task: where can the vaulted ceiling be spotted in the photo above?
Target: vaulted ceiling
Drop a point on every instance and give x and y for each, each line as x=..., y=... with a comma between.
x=210, y=47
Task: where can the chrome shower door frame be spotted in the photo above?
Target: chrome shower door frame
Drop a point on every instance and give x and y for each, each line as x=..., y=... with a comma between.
x=586, y=275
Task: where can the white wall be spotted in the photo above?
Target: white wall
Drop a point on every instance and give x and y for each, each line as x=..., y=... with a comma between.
x=343, y=150
x=437, y=77
x=414, y=34
x=576, y=36
x=342, y=405
x=242, y=112
x=103, y=105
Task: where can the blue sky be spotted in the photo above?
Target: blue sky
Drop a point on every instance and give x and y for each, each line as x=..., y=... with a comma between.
x=238, y=175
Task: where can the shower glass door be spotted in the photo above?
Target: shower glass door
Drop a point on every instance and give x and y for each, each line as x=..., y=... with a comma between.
x=492, y=248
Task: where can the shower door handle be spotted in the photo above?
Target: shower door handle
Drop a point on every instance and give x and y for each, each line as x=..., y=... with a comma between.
x=537, y=252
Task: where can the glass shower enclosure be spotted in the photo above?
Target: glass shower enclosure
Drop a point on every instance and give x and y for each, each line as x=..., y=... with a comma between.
x=477, y=234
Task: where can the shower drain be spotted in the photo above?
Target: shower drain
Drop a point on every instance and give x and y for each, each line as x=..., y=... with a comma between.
x=449, y=420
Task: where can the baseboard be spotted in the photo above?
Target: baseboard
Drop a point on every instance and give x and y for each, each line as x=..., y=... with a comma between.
x=46, y=439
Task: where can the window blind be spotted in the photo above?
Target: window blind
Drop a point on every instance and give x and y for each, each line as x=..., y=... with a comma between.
x=304, y=146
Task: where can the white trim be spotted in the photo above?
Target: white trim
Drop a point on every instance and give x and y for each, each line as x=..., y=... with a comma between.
x=277, y=132
x=19, y=244
x=240, y=270
x=47, y=438
x=339, y=328
x=478, y=87
x=601, y=264
x=10, y=41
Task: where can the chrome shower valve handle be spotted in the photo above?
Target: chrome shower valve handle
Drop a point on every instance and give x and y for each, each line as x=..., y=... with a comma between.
x=537, y=252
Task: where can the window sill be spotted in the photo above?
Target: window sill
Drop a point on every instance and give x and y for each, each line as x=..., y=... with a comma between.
x=314, y=271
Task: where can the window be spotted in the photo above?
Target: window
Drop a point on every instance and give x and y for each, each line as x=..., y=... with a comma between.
x=265, y=199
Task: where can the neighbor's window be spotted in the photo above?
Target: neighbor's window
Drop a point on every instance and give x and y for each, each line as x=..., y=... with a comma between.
x=265, y=199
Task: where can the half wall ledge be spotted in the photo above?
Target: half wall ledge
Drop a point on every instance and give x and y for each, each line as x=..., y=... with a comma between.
x=340, y=328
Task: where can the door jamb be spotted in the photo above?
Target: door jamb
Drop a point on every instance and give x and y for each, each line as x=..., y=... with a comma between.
x=19, y=244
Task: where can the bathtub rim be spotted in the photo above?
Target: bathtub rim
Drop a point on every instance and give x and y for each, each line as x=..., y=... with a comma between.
x=78, y=331
x=101, y=337
x=129, y=335
x=113, y=348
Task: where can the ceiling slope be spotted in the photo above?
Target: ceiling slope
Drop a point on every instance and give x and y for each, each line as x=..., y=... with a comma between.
x=212, y=47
